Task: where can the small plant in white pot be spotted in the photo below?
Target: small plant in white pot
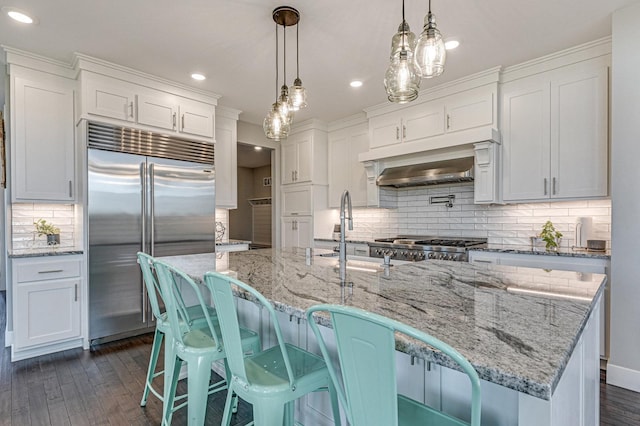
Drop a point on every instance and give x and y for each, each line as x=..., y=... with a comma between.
x=49, y=229
x=550, y=236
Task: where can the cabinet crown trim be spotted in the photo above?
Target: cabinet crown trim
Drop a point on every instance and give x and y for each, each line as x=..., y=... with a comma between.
x=312, y=124
x=36, y=62
x=483, y=78
x=582, y=52
x=100, y=66
x=352, y=120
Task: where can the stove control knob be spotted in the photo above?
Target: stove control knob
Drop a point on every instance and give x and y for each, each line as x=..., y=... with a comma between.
x=441, y=256
x=394, y=253
x=450, y=257
x=420, y=256
x=431, y=255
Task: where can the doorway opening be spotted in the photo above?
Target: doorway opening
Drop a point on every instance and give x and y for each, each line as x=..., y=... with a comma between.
x=252, y=220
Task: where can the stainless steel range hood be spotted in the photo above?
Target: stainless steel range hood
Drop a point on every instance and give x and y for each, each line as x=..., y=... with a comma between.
x=447, y=171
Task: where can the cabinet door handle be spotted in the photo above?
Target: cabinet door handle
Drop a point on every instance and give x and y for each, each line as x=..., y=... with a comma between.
x=545, y=186
x=448, y=121
x=404, y=131
x=292, y=176
x=397, y=133
x=296, y=175
x=143, y=207
x=70, y=189
x=75, y=293
x=482, y=261
x=553, y=184
x=131, y=109
x=52, y=271
x=182, y=123
x=174, y=120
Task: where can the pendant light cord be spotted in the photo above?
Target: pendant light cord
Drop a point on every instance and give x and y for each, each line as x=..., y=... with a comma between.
x=284, y=54
x=403, y=25
x=429, y=6
x=297, y=52
x=276, y=62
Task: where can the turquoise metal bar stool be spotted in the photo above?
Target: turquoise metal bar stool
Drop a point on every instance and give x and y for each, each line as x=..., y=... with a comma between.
x=366, y=344
x=198, y=347
x=188, y=314
x=270, y=380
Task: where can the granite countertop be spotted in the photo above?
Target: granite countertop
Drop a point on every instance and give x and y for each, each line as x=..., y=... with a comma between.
x=44, y=251
x=517, y=328
x=563, y=252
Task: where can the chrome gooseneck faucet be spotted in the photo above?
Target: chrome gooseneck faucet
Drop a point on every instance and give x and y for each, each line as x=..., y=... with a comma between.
x=345, y=200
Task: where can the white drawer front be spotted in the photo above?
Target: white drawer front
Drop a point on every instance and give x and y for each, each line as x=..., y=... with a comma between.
x=29, y=270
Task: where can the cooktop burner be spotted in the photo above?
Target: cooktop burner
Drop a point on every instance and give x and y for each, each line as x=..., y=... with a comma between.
x=417, y=248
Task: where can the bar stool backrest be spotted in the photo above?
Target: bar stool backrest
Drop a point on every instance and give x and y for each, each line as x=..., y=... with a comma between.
x=365, y=341
x=169, y=278
x=220, y=287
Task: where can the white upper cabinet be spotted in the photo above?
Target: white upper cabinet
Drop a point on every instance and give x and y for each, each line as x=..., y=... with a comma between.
x=555, y=133
x=304, y=157
x=121, y=100
x=474, y=108
x=345, y=171
x=447, y=116
x=42, y=137
x=409, y=124
x=226, y=158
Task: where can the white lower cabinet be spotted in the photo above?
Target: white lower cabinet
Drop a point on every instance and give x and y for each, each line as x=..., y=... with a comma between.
x=297, y=231
x=47, y=305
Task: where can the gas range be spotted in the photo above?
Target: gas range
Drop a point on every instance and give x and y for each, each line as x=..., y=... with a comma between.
x=416, y=248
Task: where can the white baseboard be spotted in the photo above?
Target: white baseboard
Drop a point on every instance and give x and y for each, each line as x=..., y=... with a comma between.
x=623, y=377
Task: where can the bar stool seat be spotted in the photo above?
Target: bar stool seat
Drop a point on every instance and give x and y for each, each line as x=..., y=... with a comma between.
x=197, y=347
x=270, y=380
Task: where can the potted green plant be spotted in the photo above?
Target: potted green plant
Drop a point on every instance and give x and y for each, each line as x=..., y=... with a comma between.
x=550, y=236
x=49, y=229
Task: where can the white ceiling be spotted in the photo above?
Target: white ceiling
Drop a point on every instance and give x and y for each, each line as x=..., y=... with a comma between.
x=233, y=41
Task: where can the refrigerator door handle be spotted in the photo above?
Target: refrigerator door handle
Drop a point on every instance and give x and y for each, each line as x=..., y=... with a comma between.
x=152, y=214
x=143, y=207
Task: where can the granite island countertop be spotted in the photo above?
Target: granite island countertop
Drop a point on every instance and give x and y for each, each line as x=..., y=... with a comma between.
x=518, y=329
x=44, y=251
x=563, y=252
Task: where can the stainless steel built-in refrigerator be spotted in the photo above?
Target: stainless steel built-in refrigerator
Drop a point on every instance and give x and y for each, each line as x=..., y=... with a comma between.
x=140, y=201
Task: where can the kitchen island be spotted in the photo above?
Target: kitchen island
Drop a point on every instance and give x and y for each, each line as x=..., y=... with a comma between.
x=531, y=334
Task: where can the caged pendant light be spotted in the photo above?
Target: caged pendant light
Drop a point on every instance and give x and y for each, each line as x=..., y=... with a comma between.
x=430, y=52
x=402, y=79
x=278, y=121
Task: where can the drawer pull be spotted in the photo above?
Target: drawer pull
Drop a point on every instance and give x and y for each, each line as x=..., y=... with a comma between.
x=75, y=293
x=51, y=271
x=482, y=261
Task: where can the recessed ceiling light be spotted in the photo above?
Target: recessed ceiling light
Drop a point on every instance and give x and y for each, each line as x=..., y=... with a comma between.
x=451, y=44
x=18, y=15
x=355, y=83
x=198, y=77
x=257, y=148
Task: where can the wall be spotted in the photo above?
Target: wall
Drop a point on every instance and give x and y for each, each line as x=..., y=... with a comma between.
x=240, y=218
x=23, y=231
x=250, y=185
x=624, y=363
x=511, y=225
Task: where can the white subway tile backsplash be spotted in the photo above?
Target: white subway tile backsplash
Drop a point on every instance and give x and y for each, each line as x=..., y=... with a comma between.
x=501, y=224
x=23, y=232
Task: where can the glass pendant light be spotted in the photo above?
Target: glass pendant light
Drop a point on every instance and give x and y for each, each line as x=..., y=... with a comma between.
x=298, y=95
x=277, y=123
x=430, y=51
x=402, y=79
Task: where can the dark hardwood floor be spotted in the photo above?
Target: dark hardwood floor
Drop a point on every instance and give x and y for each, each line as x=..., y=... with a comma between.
x=104, y=386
